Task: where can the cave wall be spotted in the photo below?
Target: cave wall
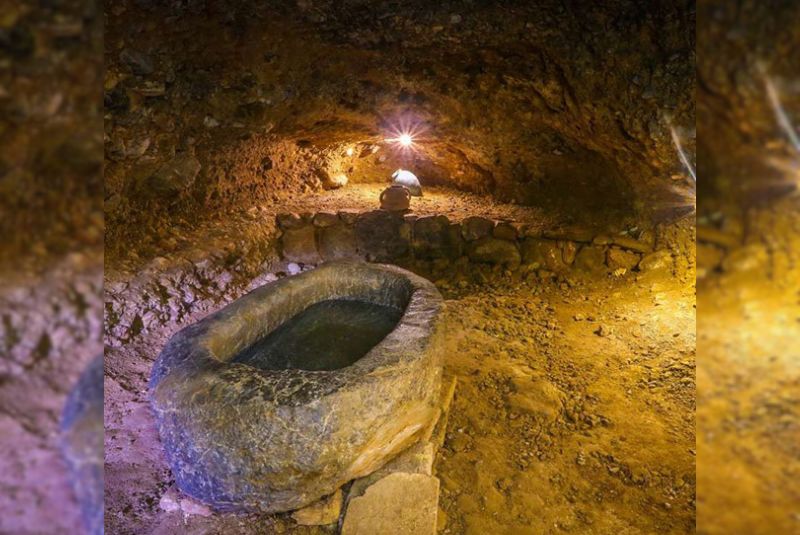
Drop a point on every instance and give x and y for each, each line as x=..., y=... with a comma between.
x=212, y=105
x=745, y=157
x=747, y=207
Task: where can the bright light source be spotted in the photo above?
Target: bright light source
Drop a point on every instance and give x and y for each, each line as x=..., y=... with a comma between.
x=405, y=140
x=349, y=151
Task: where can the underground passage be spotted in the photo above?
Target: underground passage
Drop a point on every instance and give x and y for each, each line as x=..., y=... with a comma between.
x=400, y=267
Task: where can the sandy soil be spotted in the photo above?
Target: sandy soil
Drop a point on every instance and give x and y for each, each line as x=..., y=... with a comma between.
x=574, y=413
x=748, y=435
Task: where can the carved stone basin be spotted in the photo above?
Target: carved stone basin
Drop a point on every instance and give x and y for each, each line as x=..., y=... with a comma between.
x=300, y=386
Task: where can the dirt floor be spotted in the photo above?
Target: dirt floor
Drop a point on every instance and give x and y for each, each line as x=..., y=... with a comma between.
x=574, y=410
x=574, y=413
x=748, y=436
x=51, y=329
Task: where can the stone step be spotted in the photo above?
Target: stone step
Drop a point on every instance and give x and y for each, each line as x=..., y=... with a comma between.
x=398, y=504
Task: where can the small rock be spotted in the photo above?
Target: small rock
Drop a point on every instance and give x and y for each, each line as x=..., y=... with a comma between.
x=293, y=269
x=603, y=331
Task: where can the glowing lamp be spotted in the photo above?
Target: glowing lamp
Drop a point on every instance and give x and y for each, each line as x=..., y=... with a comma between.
x=405, y=140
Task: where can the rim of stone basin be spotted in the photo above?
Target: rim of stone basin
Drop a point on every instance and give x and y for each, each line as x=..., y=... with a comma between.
x=213, y=341
x=244, y=438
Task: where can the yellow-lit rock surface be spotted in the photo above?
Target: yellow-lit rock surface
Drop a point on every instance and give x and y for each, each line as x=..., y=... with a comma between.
x=400, y=504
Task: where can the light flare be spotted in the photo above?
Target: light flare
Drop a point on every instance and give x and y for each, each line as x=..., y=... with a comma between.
x=676, y=140
x=780, y=113
x=407, y=135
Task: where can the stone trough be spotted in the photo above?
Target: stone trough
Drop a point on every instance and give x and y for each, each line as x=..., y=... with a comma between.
x=258, y=407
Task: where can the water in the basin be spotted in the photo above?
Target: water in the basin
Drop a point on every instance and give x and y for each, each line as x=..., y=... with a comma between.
x=326, y=336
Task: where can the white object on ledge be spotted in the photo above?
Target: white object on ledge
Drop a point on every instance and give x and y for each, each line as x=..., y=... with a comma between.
x=409, y=180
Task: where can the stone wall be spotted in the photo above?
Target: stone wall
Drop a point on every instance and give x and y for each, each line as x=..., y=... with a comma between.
x=382, y=236
x=759, y=246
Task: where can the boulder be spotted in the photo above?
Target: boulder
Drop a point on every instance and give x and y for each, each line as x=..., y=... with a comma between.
x=300, y=245
x=475, y=228
x=569, y=251
x=434, y=237
x=337, y=242
x=505, y=231
x=617, y=258
x=545, y=253
x=383, y=236
x=591, y=259
x=657, y=260
x=400, y=504
x=494, y=251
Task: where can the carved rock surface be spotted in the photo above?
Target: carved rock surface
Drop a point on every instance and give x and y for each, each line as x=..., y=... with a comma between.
x=400, y=504
x=241, y=438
